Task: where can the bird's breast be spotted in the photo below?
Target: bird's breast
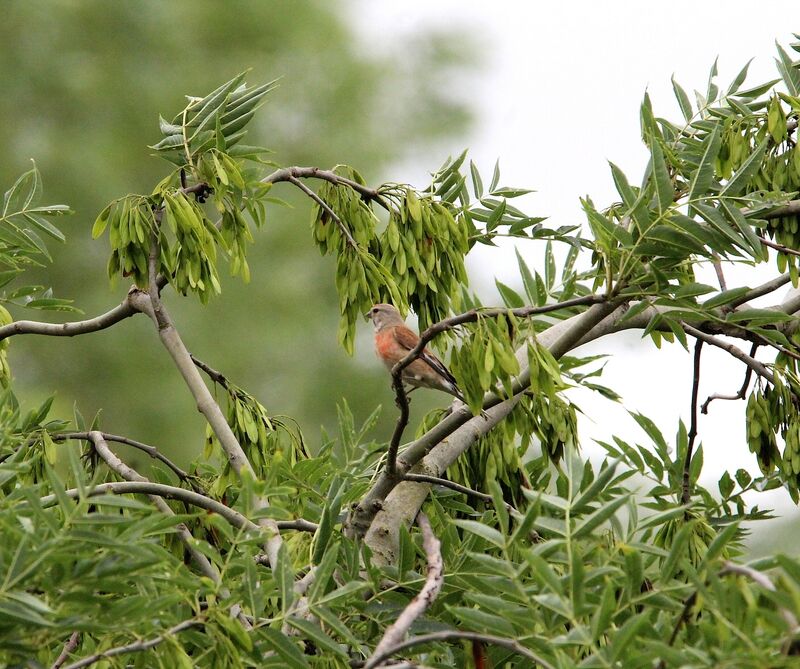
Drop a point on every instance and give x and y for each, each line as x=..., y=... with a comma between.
x=386, y=347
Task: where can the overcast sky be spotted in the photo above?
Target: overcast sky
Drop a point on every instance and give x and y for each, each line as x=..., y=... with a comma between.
x=558, y=96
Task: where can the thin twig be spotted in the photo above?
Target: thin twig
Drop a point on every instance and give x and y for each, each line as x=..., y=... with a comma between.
x=152, y=451
x=170, y=492
x=397, y=631
x=687, y=462
x=456, y=635
x=718, y=270
x=213, y=374
x=757, y=366
x=288, y=173
x=69, y=647
x=779, y=247
x=136, y=646
x=740, y=393
x=182, y=495
x=434, y=480
x=682, y=619
x=326, y=207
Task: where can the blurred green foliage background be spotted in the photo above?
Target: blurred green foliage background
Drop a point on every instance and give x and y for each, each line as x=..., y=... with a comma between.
x=83, y=85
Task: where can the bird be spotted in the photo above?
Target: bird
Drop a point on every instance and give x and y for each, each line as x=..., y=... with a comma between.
x=393, y=341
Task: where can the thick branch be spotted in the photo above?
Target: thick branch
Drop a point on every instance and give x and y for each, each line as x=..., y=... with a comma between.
x=136, y=646
x=396, y=632
x=791, y=208
x=150, y=303
x=455, y=635
x=101, y=322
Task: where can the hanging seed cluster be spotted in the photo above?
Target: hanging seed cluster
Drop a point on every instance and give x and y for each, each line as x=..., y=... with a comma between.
x=423, y=247
x=187, y=257
x=265, y=439
x=769, y=412
x=486, y=359
x=361, y=280
x=202, y=142
x=780, y=172
x=765, y=416
x=540, y=413
x=417, y=261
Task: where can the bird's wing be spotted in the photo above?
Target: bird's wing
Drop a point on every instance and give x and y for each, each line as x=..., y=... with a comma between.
x=408, y=339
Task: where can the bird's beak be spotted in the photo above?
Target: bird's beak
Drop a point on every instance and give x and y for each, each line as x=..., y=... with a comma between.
x=367, y=316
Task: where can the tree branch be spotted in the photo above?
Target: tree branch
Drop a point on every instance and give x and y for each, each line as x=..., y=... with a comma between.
x=150, y=303
x=101, y=322
x=446, y=483
x=161, y=490
x=69, y=647
x=455, y=635
x=152, y=451
x=130, y=474
x=394, y=634
x=136, y=646
x=289, y=173
x=687, y=462
x=759, y=291
x=327, y=209
x=779, y=247
x=791, y=208
x=757, y=366
x=740, y=393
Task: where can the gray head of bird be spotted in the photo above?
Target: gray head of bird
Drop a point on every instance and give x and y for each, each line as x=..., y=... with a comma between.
x=384, y=316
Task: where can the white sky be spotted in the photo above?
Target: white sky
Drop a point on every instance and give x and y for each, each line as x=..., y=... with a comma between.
x=557, y=98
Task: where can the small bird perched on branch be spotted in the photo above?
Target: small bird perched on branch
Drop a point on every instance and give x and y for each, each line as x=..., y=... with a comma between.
x=393, y=341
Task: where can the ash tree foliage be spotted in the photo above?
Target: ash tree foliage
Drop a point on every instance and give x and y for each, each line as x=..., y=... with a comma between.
x=483, y=540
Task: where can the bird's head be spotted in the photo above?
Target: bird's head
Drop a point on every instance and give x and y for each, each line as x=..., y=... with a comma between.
x=384, y=316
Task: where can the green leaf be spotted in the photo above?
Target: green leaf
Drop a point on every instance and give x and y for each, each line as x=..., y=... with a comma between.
x=600, y=516
x=484, y=531
x=285, y=647
x=527, y=279
x=313, y=632
x=703, y=176
x=683, y=100
x=665, y=192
